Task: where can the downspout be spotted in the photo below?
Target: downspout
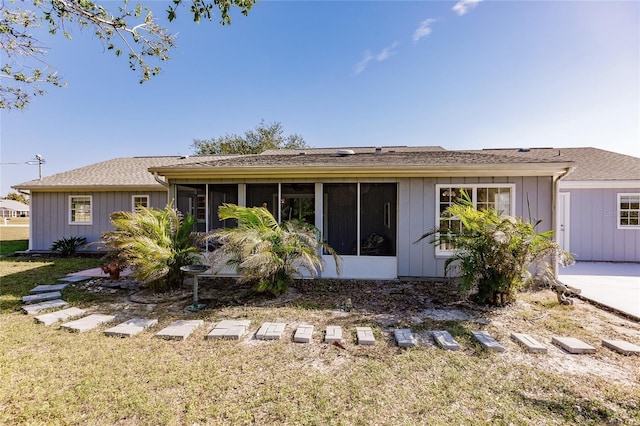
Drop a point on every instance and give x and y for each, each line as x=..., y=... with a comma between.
x=160, y=181
x=554, y=210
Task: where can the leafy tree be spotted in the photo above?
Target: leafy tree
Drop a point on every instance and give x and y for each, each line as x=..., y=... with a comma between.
x=264, y=137
x=154, y=243
x=18, y=197
x=266, y=252
x=493, y=251
x=126, y=29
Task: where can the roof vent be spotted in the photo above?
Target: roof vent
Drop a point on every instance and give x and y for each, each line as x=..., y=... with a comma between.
x=345, y=152
x=184, y=157
x=524, y=150
x=378, y=150
x=302, y=153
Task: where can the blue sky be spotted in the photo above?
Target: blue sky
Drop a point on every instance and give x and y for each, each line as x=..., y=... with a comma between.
x=462, y=75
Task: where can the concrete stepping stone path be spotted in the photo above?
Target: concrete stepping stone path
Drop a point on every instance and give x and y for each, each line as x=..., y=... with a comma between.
x=74, y=279
x=529, y=342
x=445, y=341
x=63, y=315
x=88, y=323
x=229, y=329
x=487, y=342
x=46, y=288
x=333, y=334
x=573, y=345
x=621, y=346
x=404, y=337
x=131, y=327
x=303, y=334
x=179, y=330
x=270, y=331
x=44, y=306
x=41, y=297
x=365, y=336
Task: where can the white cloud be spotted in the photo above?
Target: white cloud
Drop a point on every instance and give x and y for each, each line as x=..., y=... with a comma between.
x=367, y=57
x=463, y=6
x=423, y=30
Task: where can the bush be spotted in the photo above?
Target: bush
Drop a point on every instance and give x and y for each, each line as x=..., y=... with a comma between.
x=68, y=246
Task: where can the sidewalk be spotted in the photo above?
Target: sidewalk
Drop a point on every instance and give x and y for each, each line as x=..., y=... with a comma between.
x=614, y=285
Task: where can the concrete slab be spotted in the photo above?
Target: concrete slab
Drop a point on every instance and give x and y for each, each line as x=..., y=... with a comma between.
x=179, y=330
x=529, y=342
x=621, y=346
x=365, y=336
x=271, y=331
x=488, y=342
x=131, y=327
x=229, y=329
x=332, y=334
x=74, y=279
x=404, y=337
x=303, y=334
x=41, y=297
x=88, y=323
x=46, y=288
x=44, y=306
x=573, y=345
x=445, y=340
x=63, y=315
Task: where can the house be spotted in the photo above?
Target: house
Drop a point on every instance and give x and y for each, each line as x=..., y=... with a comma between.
x=371, y=204
x=12, y=208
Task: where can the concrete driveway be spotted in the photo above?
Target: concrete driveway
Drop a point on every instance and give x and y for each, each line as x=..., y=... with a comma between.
x=615, y=285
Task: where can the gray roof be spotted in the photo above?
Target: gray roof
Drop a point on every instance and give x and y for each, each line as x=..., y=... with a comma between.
x=592, y=164
x=121, y=173
x=14, y=205
x=357, y=150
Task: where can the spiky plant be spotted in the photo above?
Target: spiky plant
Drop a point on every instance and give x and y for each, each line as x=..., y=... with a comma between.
x=154, y=243
x=266, y=252
x=68, y=246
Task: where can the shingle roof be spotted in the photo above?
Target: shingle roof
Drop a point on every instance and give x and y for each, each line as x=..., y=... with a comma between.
x=357, y=150
x=131, y=172
x=592, y=164
x=14, y=205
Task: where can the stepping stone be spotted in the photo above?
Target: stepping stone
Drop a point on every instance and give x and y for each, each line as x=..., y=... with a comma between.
x=304, y=334
x=63, y=315
x=444, y=340
x=45, y=288
x=404, y=337
x=271, y=331
x=488, y=342
x=131, y=328
x=74, y=279
x=44, y=306
x=573, y=345
x=621, y=346
x=333, y=334
x=179, y=330
x=365, y=336
x=88, y=323
x=529, y=342
x=41, y=297
x=229, y=329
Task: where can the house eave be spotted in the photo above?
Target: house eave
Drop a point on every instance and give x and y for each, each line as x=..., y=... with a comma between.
x=600, y=184
x=90, y=188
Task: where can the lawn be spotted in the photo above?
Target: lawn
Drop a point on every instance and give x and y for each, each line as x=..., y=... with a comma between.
x=50, y=376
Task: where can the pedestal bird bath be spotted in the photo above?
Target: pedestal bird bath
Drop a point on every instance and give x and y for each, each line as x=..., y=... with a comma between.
x=194, y=270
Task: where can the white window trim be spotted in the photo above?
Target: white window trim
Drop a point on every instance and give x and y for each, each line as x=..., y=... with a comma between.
x=133, y=201
x=90, y=197
x=474, y=188
x=625, y=227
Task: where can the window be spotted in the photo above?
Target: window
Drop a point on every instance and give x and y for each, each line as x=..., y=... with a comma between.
x=138, y=201
x=498, y=197
x=219, y=195
x=628, y=211
x=80, y=210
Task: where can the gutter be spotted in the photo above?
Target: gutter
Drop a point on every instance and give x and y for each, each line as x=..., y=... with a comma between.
x=554, y=210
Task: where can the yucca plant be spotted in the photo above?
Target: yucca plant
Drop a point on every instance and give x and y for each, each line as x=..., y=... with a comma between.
x=266, y=252
x=154, y=244
x=68, y=246
x=493, y=251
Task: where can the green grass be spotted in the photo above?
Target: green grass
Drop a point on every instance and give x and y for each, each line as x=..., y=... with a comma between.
x=50, y=376
x=8, y=247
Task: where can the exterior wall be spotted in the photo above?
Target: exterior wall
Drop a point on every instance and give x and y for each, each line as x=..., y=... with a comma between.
x=417, y=210
x=50, y=214
x=594, y=234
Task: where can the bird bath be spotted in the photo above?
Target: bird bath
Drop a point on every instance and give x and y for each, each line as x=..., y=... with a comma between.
x=194, y=270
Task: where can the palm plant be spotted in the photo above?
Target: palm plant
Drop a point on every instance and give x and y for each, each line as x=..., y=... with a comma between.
x=67, y=247
x=266, y=252
x=494, y=251
x=154, y=243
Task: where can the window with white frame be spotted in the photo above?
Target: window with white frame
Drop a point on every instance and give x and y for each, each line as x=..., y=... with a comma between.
x=138, y=201
x=80, y=209
x=499, y=197
x=628, y=211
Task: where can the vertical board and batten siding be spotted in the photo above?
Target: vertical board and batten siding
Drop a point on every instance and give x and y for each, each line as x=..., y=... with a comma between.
x=50, y=218
x=594, y=233
x=417, y=210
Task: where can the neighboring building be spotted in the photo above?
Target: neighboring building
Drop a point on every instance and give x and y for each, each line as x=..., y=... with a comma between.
x=13, y=208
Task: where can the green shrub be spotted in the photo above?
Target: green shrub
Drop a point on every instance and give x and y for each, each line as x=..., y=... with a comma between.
x=68, y=246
